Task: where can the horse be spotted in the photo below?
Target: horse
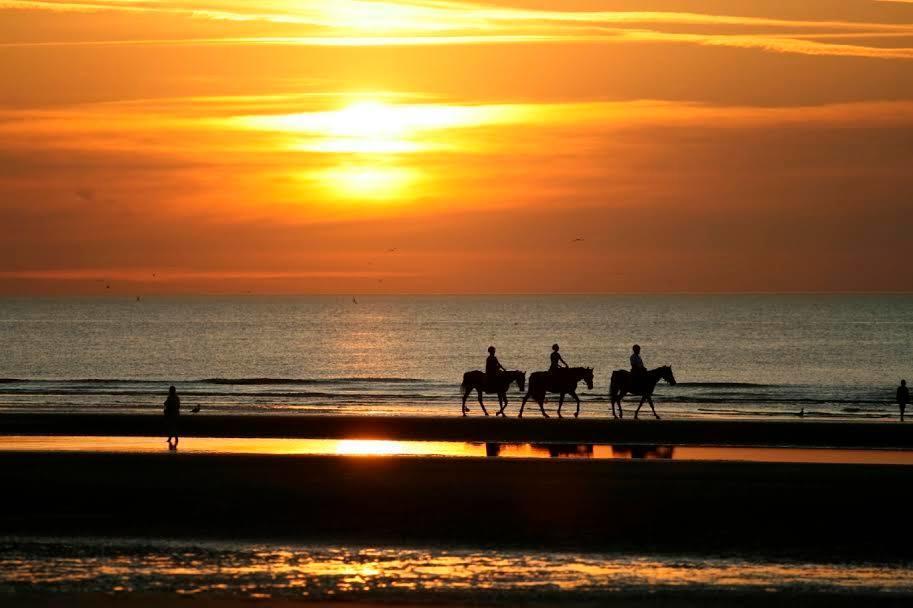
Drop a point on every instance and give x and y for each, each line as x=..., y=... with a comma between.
x=620, y=385
x=478, y=381
x=563, y=382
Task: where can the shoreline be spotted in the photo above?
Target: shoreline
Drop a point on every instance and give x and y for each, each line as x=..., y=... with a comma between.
x=675, y=432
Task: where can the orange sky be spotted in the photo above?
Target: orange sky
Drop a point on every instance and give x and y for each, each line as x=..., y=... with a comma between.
x=437, y=146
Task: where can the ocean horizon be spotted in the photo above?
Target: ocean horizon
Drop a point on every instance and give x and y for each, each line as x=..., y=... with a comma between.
x=826, y=356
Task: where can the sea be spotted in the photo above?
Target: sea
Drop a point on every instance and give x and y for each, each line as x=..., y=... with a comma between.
x=734, y=356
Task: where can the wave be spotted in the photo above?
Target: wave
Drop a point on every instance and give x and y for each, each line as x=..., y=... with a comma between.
x=344, y=380
x=725, y=385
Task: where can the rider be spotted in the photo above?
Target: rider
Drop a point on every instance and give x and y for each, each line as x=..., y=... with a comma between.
x=493, y=367
x=638, y=369
x=557, y=360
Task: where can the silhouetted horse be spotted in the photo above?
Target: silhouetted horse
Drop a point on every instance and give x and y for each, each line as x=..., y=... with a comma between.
x=620, y=385
x=563, y=382
x=477, y=381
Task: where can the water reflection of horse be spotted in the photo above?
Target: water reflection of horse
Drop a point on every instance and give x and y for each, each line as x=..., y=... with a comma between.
x=621, y=385
x=562, y=382
x=479, y=382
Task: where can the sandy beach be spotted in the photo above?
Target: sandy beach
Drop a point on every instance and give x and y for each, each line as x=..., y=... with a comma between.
x=581, y=505
x=533, y=428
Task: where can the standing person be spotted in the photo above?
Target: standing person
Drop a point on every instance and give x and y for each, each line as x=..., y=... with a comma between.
x=557, y=359
x=172, y=411
x=903, y=397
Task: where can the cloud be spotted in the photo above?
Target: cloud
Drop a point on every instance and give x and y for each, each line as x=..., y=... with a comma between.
x=430, y=22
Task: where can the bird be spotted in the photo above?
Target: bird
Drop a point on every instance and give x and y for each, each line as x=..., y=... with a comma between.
x=392, y=250
x=107, y=287
x=579, y=239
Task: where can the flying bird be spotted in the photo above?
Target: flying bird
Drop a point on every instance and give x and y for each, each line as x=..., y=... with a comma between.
x=579, y=239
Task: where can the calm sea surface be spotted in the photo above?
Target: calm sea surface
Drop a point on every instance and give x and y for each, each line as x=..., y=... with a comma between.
x=834, y=356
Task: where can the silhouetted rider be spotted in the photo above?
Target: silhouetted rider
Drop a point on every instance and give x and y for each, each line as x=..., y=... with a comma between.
x=557, y=360
x=638, y=369
x=493, y=367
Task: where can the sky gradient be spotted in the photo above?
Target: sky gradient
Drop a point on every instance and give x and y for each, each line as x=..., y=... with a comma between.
x=532, y=146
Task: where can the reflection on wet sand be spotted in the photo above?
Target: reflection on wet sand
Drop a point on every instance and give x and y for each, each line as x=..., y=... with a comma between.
x=366, y=573
x=453, y=449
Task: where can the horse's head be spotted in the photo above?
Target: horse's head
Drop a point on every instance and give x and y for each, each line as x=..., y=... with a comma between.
x=521, y=381
x=588, y=377
x=666, y=374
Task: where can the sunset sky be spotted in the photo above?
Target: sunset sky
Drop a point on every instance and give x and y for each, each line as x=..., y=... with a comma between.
x=436, y=146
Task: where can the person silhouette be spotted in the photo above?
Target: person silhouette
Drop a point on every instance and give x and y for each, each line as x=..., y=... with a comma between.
x=638, y=369
x=493, y=367
x=903, y=398
x=557, y=359
x=172, y=411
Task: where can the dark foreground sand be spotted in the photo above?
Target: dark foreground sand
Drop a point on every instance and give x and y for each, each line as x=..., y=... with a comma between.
x=816, y=510
x=799, y=433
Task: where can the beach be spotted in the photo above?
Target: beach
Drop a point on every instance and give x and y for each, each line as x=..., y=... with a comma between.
x=346, y=474
x=245, y=522
x=772, y=508
x=532, y=428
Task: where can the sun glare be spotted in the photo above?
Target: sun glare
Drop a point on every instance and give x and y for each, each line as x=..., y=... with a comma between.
x=368, y=182
x=366, y=137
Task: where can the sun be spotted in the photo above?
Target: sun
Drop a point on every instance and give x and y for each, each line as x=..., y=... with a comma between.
x=369, y=182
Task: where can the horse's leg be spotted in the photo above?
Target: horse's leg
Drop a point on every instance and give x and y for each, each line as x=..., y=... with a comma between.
x=577, y=399
x=541, y=401
x=560, y=404
x=640, y=405
x=465, y=397
x=481, y=402
x=523, y=405
x=504, y=407
x=650, y=400
x=621, y=413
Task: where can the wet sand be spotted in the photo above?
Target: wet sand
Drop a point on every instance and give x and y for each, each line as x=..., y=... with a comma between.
x=819, y=510
x=678, y=599
x=799, y=433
